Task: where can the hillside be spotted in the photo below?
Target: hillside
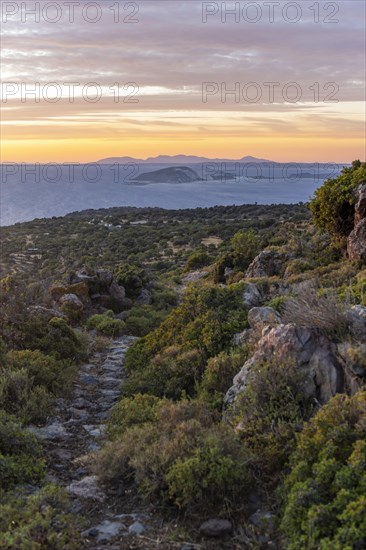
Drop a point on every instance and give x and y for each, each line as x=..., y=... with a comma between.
x=188, y=379
x=176, y=174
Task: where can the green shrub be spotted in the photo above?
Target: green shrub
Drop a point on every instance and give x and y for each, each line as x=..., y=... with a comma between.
x=218, y=376
x=55, y=337
x=197, y=259
x=131, y=277
x=278, y=303
x=105, y=324
x=245, y=245
x=333, y=203
x=169, y=374
x=19, y=396
x=324, y=495
x=216, y=470
x=40, y=522
x=132, y=411
x=269, y=413
x=20, y=454
x=143, y=319
x=297, y=266
x=44, y=370
x=205, y=321
x=30, y=380
x=164, y=298
x=182, y=457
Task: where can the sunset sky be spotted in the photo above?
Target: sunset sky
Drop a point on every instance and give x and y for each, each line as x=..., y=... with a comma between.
x=168, y=51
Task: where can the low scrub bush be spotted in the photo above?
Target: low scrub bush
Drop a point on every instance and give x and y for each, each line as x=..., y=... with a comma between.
x=55, y=337
x=218, y=376
x=44, y=370
x=171, y=359
x=131, y=277
x=20, y=454
x=269, y=413
x=106, y=324
x=143, y=319
x=40, y=522
x=181, y=457
x=132, y=411
x=197, y=259
x=333, y=204
x=29, y=381
x=169, y=374
x=324, y=495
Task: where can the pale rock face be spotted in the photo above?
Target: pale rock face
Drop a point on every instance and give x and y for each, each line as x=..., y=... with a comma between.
x=260, y=317
x=251, y=295
x=268, y=263
x=357, y=319
x=105, y=276
x=360, y=208
x=144, y=297
x=228, y=273
x=356, y=242
x=242, y=338
x=87, y=488
x=306, y=348
x=71, y=300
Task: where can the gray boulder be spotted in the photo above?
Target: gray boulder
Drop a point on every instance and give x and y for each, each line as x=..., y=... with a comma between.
x=357, y=322
x=216, y=528
x=144, y=298
x=52, y=432
x=228, y=273
x=268, y=263
x=260, y=317
x=242, y=338
x=72, y=301
x=251, y=295
x=87, y=488
x=83, y=276
x=194, y=276
x=356, y=242
x=105, y=277
x=306, y=348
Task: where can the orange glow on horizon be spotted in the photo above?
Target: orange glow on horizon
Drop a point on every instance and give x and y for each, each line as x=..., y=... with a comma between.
x=280, y=149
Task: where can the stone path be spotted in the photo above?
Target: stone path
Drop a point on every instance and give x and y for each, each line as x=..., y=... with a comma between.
x=76, y=430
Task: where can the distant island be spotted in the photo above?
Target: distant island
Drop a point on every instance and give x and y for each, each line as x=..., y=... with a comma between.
x=176, y=159
x=173, y=174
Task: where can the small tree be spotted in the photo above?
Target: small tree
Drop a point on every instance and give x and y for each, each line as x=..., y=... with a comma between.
x=333, y=205
x=245, y=246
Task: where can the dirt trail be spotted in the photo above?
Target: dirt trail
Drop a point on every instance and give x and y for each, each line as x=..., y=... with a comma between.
x=77, y=428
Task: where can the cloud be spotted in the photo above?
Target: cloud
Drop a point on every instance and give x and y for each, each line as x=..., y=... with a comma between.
x=170, y=50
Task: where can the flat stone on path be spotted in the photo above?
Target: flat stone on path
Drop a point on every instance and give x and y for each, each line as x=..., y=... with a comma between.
x=109, y=529
x=136, y=528
x=87, y=488
x=54, y=431
x=216, y=528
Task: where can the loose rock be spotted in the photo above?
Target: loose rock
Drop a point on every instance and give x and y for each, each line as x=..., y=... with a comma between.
x=216, y=528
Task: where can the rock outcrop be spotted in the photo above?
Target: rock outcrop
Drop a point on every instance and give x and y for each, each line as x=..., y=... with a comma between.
x=356, y=242
x=89, y=292
x=260, y=317
x=268, y=263
x=252, y=295
x=308, y=349
x=357, y=322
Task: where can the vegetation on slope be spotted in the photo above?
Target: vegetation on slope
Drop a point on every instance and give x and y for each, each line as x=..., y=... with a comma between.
x=170, y=436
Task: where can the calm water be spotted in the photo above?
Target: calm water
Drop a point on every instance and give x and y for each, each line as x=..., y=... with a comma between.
x=25, y=198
